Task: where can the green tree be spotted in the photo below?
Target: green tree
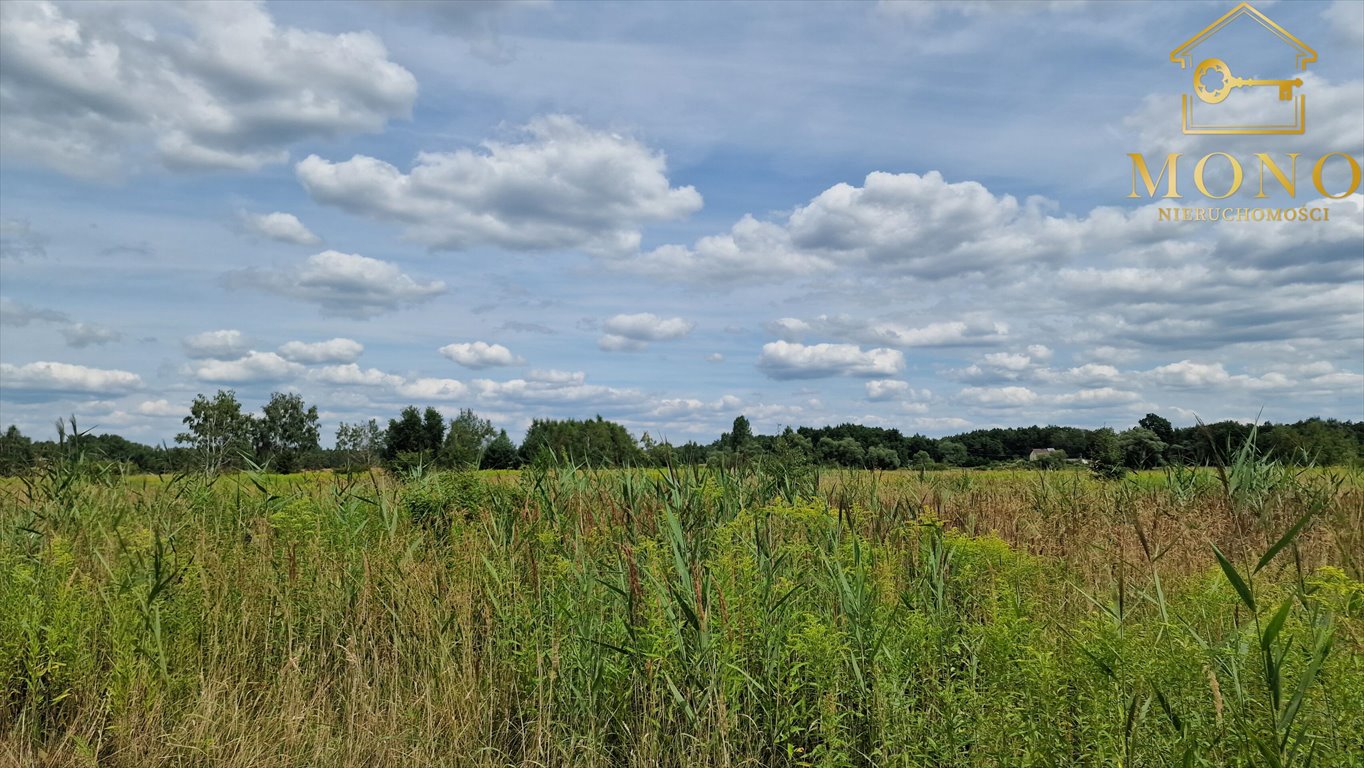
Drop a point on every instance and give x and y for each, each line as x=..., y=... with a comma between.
x=405, y=435
x=433, y=431
x=1141, y=448
x=467, y=440
x=217, y=430
x=846, y=452
x=740, y=435
x=791, y=448
x=1104, y=452
x=501, y=453
x=881, y=457
x=16, y=452
x=285, y=431
x=361, y=445
x=595, y=441
x=953, y=453
x=1161, y=426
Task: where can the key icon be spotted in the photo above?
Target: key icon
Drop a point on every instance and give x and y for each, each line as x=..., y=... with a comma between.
x=1219, y=94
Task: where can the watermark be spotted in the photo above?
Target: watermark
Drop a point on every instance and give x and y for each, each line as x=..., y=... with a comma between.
x=1260, y=108
x=1245, y=82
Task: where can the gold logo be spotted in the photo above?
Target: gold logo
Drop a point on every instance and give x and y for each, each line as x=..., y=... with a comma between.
x=1270, y=105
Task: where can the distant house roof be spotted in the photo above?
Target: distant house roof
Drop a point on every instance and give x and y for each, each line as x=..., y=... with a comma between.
x=1038, y=453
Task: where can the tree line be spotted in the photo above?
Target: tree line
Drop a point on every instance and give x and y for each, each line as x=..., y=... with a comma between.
x=285, y=436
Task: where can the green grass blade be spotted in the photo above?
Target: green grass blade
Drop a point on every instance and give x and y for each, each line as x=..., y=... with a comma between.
x=1237, y=582
x=1283, y=542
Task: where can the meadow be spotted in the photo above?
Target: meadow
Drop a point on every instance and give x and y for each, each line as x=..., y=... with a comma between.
x=759, y=615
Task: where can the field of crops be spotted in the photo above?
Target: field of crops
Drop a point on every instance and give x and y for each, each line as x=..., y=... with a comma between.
x=759, y=616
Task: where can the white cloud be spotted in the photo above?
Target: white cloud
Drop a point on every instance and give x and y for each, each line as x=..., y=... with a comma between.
x=433, y=389
x=1187, y=373
x=336, y=350
x=81, y=335
x=998, y=397
x=880, y=390
x=788, y=328
x=557, y=377
x=161, y=408
x=646, y=326
x=1089, y=374
x=1101, y=397
x=612, y=343
x=563, y=186
x=897, y=224
x=61, y=378
x=787, y=360
x=283, y=227
x=634, y=332
x=218, y=345
x=206, y=85
x=973, y=329
x=675, y=408
x=479, y=354
x=342, y=284
x=352, y=375
x=940, y=423
x=715, y=357
x=253, y=367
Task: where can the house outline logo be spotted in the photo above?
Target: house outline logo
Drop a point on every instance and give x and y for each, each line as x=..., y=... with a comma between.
x=1182, y=56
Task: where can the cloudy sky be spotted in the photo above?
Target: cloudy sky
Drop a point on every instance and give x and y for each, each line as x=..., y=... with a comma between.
x=910, y=215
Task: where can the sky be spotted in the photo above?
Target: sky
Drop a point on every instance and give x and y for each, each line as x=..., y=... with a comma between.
x=909, y=215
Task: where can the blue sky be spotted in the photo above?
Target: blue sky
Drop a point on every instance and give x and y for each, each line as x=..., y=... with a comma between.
x=902, y=214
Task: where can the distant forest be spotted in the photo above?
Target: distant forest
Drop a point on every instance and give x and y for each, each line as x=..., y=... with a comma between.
x=219, y=435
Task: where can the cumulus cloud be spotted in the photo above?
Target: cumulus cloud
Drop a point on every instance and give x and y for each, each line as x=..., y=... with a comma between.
x=433, y=389
x=787, y=360
x=612, y=343
x=352, y=375
x=479, y=354
x=85, y=87
x=161, y=408
x=908, y=224
x=563, y=186
x=343, y=284
x=1190, y=374
x=336, y=350
x=634, y=332
x=283, y=227
x=81, y=335
x=1100, y=397
x=48, y=378
x=973, y=329
x=998, y=397
x=881, y=390
x=220, y=345
x=558, y=388
x=253, y=367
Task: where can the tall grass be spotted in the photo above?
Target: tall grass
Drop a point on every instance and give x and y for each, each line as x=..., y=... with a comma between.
x=740, y=616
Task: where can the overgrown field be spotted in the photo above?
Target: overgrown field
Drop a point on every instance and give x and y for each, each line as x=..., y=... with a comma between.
x=762, y=616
